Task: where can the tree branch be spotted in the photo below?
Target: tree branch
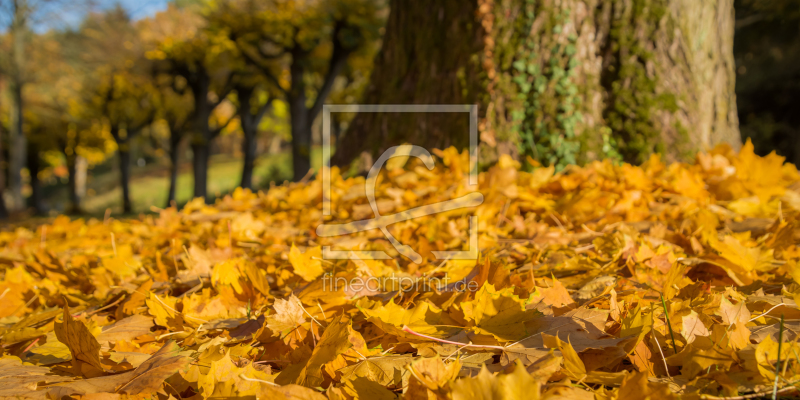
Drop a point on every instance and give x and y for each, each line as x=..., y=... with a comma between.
x=226, y=89
x=264, y=70
x=337, y=62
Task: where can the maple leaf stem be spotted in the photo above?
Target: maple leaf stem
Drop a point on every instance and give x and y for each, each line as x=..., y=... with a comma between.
x=483, y=346
x=257, y=380
x=765, y=314
x=669, y=324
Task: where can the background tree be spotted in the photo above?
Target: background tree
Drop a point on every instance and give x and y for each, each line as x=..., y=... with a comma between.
x=301, y=48
x=253, y=101
x=180, y=38
x=175, y=115
x=767, y=51
x=60, y=115
x=120, y=83
x=19, y=12
x=560, y=81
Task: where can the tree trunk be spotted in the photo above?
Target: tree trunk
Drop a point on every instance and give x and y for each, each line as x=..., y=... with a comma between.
x=175, y=163
x=34, y=166
x=201, y=84
x=3, y=209
x=17, y=146
x=432, y=63
x=173, y=176
x=300, y=119
x=561, y=81
x=74, y=184
x=125, y=176
x=17, y=140
x=301, y=142
x=249, y=129
x=200, y=169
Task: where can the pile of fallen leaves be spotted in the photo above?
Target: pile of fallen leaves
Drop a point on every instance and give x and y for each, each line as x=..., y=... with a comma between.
x=599, y=282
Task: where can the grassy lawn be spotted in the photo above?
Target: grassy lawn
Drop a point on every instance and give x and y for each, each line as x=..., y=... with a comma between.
x=150, y=185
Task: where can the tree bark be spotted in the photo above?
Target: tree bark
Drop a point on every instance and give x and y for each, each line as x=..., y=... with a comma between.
x=202, y=132
x=432, y=63
x=561, y=81
x=34, y=166
x=249, y=150
x=249, y=120
x=125, y=176
x=74, y=184
x=174, y=158
x=301, y=137
x=200, y=169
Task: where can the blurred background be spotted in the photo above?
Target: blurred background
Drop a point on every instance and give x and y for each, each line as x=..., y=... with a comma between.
x=119, y=106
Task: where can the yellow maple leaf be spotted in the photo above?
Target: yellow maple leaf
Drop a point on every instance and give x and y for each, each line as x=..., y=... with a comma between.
x=288, y=315
x=226, y=379
x=518, y=384
x=749, y=258
x=498, y=313
x=307, y=265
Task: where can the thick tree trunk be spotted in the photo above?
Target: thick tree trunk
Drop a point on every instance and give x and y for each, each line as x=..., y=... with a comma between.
x=433, y=62
x=125, y=176
x=200, y=169
x=562, y=81
x=34, y=166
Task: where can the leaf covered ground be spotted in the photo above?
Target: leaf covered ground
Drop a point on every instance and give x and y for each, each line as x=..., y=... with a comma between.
x=605, y=282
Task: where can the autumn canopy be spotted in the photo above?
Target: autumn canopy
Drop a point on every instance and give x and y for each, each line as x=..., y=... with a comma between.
x=605, y=281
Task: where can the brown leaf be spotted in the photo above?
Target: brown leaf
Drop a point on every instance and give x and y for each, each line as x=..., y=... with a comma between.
x=84, y=347
x=147, y=378
x=151, y=375
x=126, y=329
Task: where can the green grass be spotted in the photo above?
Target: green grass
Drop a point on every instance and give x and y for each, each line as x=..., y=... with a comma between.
x=150, y=186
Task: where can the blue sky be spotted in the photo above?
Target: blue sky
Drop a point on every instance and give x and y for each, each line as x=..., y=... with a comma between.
x=61, y=13
x=143, y=8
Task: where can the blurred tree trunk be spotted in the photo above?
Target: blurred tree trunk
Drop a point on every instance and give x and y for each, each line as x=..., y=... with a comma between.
x=76, y=182
x=123, y=151
x=200, y=83
x=3, y=209
x=34, y=166
x=16, y=138
x=174, y=159
x=249, y=120
x=561, y=81
x=125, y=177
x=200, y=168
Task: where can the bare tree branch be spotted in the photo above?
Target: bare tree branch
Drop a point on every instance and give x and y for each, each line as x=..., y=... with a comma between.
x=337, y=62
